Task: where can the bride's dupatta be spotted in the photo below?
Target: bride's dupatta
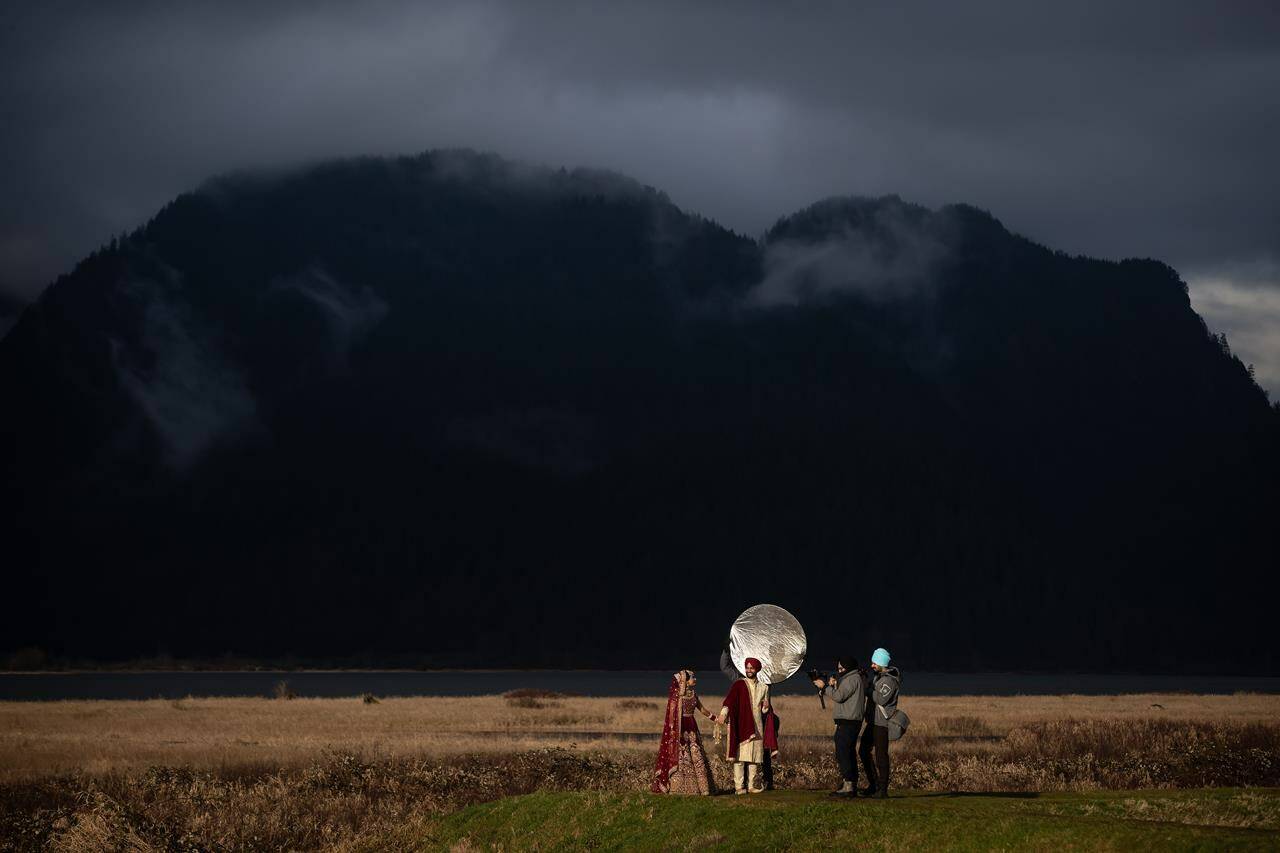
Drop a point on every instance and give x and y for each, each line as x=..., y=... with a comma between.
x=669, y=748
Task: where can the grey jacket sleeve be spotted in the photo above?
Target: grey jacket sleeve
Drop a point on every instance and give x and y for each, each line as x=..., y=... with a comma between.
x=845, y=687
x=726, y=666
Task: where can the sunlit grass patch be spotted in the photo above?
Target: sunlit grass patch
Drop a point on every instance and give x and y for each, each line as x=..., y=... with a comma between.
x=811, y=821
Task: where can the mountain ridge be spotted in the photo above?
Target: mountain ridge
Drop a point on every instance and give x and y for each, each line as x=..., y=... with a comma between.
x=364, y=392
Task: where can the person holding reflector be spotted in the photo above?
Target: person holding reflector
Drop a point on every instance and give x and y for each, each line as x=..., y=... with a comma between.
x=767, y=645
x=747, y=712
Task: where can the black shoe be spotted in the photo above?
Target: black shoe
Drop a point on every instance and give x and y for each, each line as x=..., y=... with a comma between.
x=867, y=792
x=882, y=794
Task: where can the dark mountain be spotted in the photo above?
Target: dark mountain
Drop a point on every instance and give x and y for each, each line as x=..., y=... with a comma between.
x=452, y=410
x=10, y=308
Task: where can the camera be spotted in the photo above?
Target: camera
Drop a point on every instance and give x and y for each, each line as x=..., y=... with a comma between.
x=815, y=675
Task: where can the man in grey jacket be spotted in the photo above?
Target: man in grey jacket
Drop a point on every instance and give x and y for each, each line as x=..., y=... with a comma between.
x=847, y=690
x=884, y=701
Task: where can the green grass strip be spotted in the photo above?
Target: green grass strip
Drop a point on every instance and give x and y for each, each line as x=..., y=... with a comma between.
x=1217, y=819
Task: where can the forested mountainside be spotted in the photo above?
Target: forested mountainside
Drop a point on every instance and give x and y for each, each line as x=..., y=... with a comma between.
x=452, y=410
x=10, y=308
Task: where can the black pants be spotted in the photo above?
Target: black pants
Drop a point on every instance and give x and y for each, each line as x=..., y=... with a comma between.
x=768, y=757
x=847, y=749
x=877, y=774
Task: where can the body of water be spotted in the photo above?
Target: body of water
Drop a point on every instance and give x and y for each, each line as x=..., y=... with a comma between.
x=175, y=685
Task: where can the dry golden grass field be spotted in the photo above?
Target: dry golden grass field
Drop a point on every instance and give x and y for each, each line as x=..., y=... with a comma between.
x=49, y=738
x=507, y=771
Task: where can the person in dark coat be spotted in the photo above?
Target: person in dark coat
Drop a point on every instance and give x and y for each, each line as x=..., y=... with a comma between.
x=883, y=694
x=847, y=690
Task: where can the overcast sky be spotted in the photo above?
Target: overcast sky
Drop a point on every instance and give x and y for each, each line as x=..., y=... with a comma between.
x=1104, y=128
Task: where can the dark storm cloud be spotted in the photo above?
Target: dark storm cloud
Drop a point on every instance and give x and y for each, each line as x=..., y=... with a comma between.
x=1141, y=131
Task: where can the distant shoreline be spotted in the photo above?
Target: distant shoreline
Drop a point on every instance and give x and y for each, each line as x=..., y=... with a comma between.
x=333, y=683
x=285, y=671
x=226, y=670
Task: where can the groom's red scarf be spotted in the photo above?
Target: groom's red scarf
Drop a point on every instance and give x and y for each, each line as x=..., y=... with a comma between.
x=742, y=723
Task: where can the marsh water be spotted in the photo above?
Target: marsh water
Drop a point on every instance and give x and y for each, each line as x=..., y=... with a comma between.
x=174, y=685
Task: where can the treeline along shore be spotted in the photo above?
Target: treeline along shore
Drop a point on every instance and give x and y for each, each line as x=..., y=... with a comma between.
x=178, y=684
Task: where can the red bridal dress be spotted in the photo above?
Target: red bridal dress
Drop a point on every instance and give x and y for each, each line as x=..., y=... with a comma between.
x=681, y=767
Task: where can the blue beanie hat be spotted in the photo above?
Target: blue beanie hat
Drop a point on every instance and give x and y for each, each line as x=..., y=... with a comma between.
x=880, y=657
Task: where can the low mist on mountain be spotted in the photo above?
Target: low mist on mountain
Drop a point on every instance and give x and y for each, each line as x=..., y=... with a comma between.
x=453, y=410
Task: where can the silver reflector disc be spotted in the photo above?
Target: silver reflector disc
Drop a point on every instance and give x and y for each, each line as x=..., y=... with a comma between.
x=772, y=635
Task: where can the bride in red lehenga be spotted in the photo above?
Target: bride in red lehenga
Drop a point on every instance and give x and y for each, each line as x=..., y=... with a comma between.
x=682, y=766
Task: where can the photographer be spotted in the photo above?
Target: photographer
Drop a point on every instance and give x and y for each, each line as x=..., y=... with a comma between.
x=847, y=690
x=884, y=696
